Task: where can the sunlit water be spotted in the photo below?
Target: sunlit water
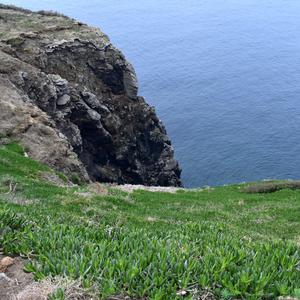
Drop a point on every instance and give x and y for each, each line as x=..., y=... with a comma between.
x=224, y=76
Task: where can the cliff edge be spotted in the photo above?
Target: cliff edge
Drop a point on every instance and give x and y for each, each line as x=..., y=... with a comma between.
x=71, y=99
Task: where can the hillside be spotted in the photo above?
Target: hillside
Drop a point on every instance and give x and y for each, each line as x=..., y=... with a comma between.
x=211, y=243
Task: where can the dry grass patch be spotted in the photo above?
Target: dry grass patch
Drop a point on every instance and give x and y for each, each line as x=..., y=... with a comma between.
x=53, y=288
x=270, y=187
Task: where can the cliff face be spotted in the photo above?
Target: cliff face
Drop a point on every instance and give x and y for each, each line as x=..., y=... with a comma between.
x=71, y=99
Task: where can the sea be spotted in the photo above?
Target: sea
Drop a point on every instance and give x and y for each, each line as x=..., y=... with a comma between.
x=223, y=75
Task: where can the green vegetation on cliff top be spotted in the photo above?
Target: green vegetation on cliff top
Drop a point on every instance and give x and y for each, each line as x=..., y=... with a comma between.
x=215, y=241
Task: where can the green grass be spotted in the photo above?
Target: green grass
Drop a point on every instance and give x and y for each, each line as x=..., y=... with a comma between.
x=151, y=245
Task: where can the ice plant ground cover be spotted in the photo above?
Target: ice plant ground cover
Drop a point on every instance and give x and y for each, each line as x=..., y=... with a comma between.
x=149, y=245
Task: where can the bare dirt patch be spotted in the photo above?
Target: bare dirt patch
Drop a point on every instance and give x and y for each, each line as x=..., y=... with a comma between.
x=15, y=284
x=13, y=280
x=54, y=179
x=98, y=188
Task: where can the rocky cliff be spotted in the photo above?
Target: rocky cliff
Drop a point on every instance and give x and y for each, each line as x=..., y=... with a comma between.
x=71, y=98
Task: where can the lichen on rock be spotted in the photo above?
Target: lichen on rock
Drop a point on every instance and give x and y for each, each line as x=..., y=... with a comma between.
x=83, y=93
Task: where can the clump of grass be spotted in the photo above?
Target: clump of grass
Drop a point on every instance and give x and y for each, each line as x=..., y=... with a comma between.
x=15, y=147
x=50, y=13
x=13, y=7
x=75, y=179
x=62, y=176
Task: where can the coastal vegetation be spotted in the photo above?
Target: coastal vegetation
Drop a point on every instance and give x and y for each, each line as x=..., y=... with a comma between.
x=218, y=243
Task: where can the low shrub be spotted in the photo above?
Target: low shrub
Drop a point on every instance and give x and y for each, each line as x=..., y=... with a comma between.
x=270, y=187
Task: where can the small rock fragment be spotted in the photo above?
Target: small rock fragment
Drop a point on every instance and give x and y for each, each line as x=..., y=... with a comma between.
x=5, y=263
x=63, y=100
x=58, y=80
x=182, y=293
x=3, y=276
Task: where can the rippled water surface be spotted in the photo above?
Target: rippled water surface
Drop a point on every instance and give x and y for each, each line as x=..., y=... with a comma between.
x=224, y=76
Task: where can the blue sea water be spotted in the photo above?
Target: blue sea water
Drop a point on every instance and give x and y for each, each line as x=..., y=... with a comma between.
x=224, y=76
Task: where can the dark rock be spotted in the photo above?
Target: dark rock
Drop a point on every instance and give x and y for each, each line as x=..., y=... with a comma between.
x=88, y=93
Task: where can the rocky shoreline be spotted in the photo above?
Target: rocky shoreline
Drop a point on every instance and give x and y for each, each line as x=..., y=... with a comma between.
x=71, y=99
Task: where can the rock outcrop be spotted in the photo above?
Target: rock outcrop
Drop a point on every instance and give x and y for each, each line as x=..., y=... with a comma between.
x=71, y=99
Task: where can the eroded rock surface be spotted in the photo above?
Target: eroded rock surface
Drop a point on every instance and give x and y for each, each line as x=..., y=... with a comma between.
x=72, y=99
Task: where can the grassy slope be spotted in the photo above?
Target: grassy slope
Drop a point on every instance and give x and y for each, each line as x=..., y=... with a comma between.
x=152, y=245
